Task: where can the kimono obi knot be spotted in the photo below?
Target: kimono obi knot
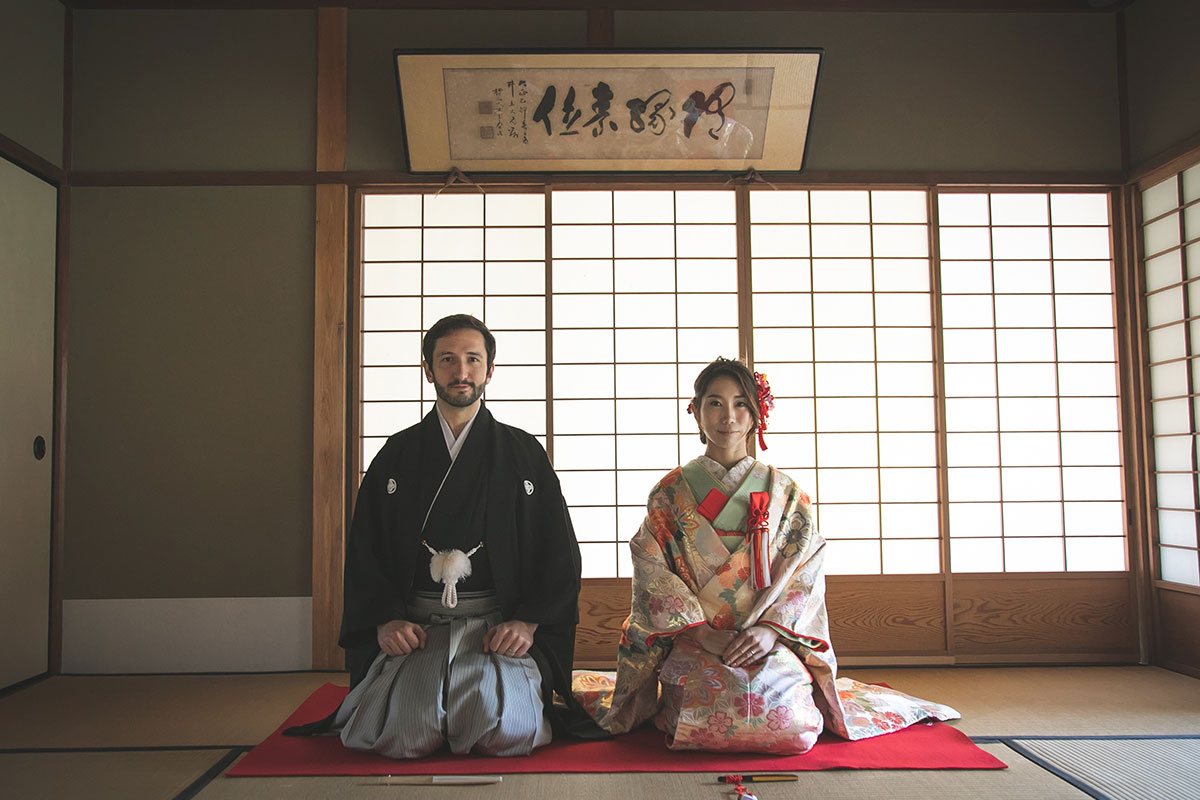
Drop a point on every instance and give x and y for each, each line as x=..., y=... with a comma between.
x=756, y=521
x=758, y=533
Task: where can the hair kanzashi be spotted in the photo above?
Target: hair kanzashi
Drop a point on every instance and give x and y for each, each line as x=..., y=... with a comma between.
x=753, y=385
x=457, y=322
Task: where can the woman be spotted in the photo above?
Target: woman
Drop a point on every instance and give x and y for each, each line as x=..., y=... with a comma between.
x=728, y=612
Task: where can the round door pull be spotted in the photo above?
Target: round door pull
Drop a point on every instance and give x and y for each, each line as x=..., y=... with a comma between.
x=39, y=448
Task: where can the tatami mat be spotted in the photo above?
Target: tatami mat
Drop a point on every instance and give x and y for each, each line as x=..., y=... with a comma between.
x=1055, y=701
x=1022, y=781
x=1126, y=769
x=126, y=775
x=228, y=711
x=154, y=710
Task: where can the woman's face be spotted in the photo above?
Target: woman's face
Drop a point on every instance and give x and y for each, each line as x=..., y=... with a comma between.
x=725, y=414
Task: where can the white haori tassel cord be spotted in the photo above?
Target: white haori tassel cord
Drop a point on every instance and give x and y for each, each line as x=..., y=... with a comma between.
x=450, y=567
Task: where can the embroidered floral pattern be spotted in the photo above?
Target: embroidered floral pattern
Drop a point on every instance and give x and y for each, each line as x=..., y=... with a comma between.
x=682, y=580
x=720, y=722
x=662, y=527
x=779, y=718
x=749, y=704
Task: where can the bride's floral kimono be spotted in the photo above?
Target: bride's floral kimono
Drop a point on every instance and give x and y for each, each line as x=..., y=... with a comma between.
x=686, y=575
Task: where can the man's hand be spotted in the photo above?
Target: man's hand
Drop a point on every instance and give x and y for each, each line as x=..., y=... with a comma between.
x=399, y=637
x=511, y=638
x=751, y=645
x=711, y=639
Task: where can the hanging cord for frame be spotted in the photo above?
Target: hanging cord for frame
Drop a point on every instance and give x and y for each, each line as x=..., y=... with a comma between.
x=750, y=176
x=456, y=176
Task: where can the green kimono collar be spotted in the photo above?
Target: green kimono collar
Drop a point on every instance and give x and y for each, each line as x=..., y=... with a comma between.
x=731, y=507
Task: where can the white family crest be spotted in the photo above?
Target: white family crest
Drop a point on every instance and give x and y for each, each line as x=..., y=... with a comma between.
x=528, y=487
x=391, y=486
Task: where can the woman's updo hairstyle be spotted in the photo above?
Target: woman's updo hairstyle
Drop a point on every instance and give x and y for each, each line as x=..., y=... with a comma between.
x=745, y=379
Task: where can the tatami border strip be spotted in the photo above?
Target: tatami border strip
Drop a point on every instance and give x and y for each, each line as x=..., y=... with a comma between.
x=1010, y=741
x=215, y=771
x=1078, y=783
x=234, y=751
x=197, y=674
x=143, y=749
x=1082, y=737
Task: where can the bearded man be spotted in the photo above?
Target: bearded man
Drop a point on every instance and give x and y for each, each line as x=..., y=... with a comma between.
x=462, y=575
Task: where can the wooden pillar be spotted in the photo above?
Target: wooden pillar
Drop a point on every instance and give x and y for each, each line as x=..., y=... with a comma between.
x=329, y=343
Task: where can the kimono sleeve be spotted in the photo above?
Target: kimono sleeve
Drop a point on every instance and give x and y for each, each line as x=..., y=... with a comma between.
x=662, y=605
x=550, y=595
x=369, y=597
x=798, y=612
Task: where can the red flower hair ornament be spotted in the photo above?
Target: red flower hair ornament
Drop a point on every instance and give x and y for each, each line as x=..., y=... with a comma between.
x=766, y=402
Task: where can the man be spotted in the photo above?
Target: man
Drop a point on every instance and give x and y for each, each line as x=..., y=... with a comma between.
x=462, y=575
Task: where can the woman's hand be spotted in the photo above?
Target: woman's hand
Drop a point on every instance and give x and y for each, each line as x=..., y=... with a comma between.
x=749, y=646
x=711, y=639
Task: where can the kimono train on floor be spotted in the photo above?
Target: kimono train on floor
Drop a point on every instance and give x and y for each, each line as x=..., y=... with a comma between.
x=697, y=559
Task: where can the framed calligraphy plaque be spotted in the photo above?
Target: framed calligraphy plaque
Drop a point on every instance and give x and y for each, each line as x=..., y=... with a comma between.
x=606, y=111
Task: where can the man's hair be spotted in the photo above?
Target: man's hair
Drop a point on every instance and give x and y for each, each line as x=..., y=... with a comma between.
x=456, y=322
x=740, y=373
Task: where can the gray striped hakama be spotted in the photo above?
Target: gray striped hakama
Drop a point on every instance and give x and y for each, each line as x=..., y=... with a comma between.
x=449, y=690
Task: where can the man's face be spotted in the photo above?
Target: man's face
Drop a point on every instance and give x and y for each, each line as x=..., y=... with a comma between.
x=459, y=370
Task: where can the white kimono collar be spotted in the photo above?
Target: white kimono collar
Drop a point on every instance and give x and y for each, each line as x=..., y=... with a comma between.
x=731, y=478
x=452, y=444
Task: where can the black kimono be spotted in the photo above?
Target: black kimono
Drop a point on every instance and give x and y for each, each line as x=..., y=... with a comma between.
x=504, y=479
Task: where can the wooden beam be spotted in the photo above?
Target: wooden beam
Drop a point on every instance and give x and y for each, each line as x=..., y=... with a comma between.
x=601, y=27
x=955, y=6
x=891, y=179
x=1174, y=159
x=30, y=161
x=329, y=343
x=331, y=89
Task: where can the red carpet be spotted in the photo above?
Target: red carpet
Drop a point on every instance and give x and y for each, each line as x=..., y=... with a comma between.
x=935, y=746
